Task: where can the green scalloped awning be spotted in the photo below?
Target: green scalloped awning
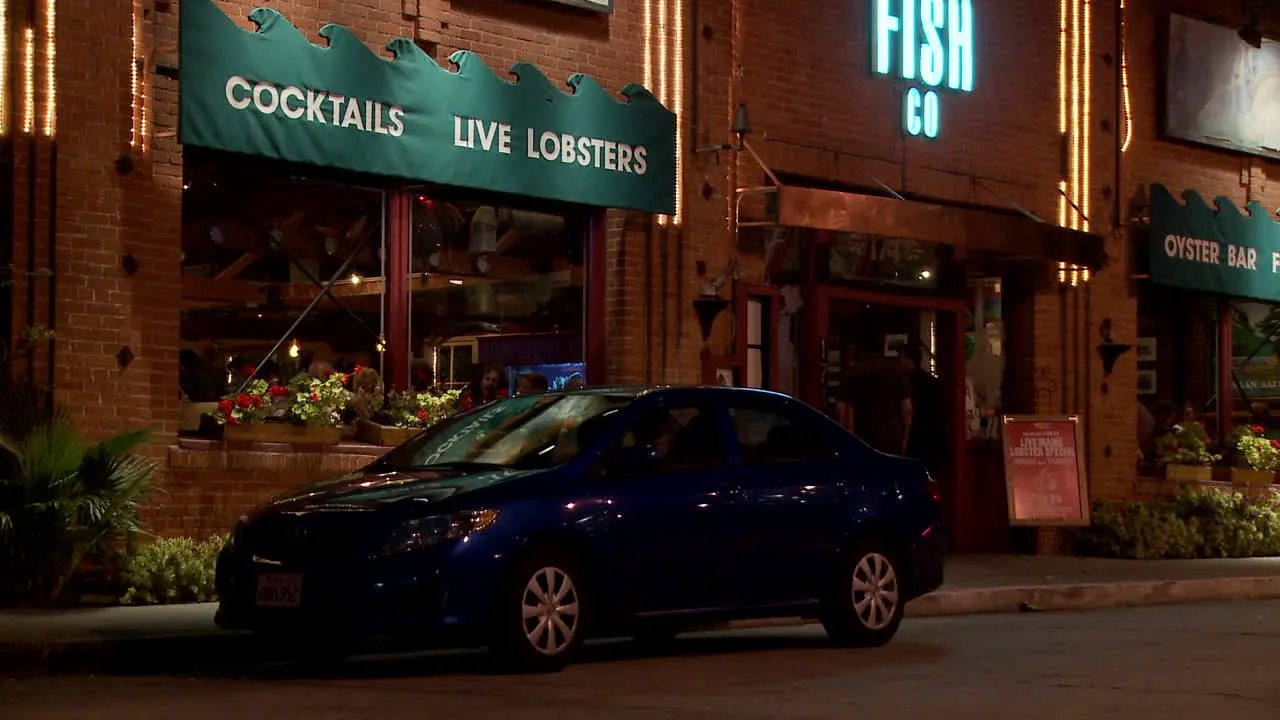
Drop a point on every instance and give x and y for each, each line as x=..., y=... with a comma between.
x=275, y=94
x=1214, y=249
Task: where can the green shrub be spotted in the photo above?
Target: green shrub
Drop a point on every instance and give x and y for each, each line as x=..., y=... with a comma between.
x=172, y=570
x=65, y=503
x=1196, y=524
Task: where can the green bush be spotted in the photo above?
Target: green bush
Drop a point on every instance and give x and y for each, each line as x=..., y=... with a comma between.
x=65, y=503
x=1196, y=524
x=172, y=570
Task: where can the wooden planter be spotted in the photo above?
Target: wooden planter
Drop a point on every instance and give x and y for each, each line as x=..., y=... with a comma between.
x=1188, y=473
x=383, y=435
x=282, y=433
x=1244, y=476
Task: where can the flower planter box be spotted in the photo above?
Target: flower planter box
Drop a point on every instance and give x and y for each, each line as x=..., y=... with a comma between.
x=1188, y=473
x=1243, y=476
x=282, y=433
x=383, y=435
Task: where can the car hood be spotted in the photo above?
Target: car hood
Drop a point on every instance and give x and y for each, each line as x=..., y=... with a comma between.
x=374, y=487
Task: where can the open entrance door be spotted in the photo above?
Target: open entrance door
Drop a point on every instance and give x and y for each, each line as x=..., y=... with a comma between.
x=846, y=324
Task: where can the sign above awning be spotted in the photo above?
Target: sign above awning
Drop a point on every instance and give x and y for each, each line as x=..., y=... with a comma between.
x=275, y=94
x=1219, y=250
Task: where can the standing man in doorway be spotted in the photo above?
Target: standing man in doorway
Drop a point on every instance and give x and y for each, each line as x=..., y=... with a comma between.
x=926, y=437
x=877, y=398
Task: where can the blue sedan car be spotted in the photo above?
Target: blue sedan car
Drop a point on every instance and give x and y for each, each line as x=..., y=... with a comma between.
x=533, y=523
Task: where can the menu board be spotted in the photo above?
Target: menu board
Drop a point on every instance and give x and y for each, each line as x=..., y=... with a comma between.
x=1043, y=472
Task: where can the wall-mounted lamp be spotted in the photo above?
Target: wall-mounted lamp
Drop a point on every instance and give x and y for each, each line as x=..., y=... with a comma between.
x=1109, y=350
x=294, y=350
x=741, y=129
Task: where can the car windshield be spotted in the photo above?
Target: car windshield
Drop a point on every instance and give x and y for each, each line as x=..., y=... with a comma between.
x=520, y=433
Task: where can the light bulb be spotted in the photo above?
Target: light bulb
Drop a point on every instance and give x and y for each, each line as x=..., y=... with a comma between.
x=293, y=349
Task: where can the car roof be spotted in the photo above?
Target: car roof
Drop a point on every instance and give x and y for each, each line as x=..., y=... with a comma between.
x=639, y=390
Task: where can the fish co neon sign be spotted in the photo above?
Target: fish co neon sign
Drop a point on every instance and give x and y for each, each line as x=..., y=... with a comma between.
x=929, y=42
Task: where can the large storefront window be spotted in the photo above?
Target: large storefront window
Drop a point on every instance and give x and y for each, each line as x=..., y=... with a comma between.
x=260, y=242
x=1177, y=353
x=496, y=286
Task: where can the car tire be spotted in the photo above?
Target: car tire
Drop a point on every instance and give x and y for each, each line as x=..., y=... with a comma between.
x=868, y=600
x=542, y=612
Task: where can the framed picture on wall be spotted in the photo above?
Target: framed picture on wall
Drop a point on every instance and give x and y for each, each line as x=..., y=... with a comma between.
x=604, y=6
x=892, y=343
x=1146, y=349
x=1146, y=382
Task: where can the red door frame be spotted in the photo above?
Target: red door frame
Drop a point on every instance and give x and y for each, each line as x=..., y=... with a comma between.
x=737, y=360
x=817, y=320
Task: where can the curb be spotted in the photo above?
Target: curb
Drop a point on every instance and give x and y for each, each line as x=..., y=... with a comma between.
x=168, y=654
x=1093, y=596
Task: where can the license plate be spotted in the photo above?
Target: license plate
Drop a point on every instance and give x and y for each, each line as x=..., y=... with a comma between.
x=279, y=591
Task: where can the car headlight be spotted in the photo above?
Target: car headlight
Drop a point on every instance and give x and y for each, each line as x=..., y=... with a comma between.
x=425, y=532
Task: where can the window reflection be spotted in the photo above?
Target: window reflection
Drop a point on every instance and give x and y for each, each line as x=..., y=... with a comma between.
x=984, y=357
x=259, y=239
x=495, y=286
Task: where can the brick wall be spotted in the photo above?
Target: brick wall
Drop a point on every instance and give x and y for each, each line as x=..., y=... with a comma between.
x=802, y=68
x=210, y=487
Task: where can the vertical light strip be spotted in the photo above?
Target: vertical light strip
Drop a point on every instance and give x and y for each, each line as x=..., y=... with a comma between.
x=677, y=101
x=29, y=80
x=1075, y=114
x=50, y=68
x=663, y=97
x=648, y=46
x=133, y=79
x=4, y=67
x=1086, y=112
x=1124, y=76
x=1062, y=102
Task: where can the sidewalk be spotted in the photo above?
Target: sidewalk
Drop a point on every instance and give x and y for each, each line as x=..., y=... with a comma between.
x=34, y=641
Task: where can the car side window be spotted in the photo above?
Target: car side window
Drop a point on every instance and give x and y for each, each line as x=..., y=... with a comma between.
x=684, y=438
x=769, y=436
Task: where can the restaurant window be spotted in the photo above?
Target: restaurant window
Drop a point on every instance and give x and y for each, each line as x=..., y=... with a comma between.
x=260, y=240
x=496, y=286
x=985, y=357
x=1177, y=350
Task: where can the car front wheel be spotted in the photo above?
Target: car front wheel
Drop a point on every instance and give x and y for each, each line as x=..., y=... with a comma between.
x=867, y=605
x=542, y=613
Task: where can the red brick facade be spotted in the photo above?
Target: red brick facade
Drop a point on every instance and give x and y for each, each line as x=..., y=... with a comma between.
x=800, y=66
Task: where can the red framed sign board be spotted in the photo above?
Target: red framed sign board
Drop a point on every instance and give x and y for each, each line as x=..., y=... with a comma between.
x=1043, y=472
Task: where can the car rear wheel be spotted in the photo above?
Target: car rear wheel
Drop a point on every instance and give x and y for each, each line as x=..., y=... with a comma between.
x=867, y=605
x=542, y=612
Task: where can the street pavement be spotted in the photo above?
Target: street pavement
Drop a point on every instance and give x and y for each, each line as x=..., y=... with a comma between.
x=1200, y=660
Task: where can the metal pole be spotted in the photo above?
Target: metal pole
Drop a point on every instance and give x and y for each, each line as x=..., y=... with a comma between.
x=314, y=301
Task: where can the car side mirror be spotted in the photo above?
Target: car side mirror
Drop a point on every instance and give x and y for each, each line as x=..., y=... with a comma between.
x=627, y=462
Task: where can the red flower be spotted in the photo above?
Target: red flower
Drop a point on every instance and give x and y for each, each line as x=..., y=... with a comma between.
x=231, y=420
x=257, y=401
x=346, y=379
x=1258, y=429
x=359, y=369
x=422, y=415
x=224, y=407
x=278, y=391
x=248, y=370
x=315, y=397
x=242, y=401
x=468, y=402
x=1275, y=444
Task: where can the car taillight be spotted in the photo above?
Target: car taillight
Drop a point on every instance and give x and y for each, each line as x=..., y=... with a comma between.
x=933, y=487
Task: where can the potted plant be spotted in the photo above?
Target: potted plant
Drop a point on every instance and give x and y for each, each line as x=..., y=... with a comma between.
x=1254, y=457
x=317, y=406
x=408, y=413
x=1185, y=455
x=251, y=406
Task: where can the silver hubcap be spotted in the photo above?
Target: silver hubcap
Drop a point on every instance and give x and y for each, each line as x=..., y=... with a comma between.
x=875, y=591
x=549, y=609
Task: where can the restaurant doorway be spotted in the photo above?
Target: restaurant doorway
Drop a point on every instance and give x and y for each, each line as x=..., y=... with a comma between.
x=851, y=323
